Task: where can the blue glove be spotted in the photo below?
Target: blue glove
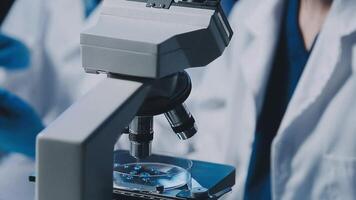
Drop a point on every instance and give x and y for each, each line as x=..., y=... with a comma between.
x=89, y=6
x=13, y=53
x=19, y=125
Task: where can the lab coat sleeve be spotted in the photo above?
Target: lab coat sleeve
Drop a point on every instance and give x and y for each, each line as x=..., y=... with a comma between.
x=73, y=78
x=14, y=172
x=63, y=24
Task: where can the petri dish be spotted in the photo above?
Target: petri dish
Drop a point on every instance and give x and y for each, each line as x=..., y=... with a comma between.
x=154, y=174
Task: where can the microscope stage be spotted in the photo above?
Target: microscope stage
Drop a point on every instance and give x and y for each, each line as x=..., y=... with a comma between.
x=208, y=181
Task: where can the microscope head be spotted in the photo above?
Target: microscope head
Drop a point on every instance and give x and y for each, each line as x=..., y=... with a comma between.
x=155, y=41
x=154, y=38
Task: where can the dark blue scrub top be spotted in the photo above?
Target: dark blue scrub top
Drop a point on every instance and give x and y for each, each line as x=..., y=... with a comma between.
x=290, y=58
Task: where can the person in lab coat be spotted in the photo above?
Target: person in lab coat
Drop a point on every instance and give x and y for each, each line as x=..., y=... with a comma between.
x=280, y=104
x=40, y=76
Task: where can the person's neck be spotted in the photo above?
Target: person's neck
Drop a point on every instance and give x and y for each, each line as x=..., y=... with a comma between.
x=316, y=3
x=312, y=14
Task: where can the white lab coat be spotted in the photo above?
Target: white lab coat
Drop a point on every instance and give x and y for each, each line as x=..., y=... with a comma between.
x=314, y=152
x=51, y=29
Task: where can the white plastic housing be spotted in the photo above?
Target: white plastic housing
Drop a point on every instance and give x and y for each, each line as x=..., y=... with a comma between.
x=131, y=39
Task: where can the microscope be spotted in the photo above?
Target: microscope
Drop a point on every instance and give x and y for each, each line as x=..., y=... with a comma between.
x=143, y=46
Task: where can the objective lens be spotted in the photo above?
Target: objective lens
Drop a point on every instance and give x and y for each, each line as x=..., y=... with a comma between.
x=182, y=122
x=141, y=136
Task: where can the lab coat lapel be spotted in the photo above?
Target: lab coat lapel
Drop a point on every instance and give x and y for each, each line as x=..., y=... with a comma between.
x=326, y=72
x=326, y=57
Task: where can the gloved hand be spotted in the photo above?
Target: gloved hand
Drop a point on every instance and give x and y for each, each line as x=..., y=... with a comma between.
x=13, y=53
x=19, y=125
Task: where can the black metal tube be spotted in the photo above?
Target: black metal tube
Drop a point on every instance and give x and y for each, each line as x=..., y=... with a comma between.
x=141, y=136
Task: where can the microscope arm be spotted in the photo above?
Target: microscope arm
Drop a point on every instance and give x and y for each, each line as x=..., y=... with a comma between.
x=75, y=153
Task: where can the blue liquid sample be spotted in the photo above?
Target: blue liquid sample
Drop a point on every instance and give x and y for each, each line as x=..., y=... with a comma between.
x=147, y=176
x=137, y=167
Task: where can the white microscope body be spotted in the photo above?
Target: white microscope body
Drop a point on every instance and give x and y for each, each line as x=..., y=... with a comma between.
x=137, y=44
